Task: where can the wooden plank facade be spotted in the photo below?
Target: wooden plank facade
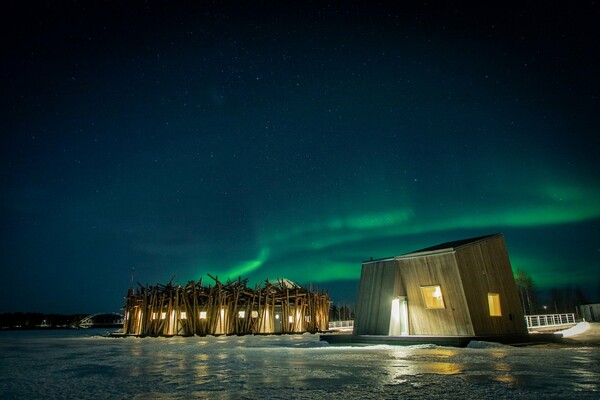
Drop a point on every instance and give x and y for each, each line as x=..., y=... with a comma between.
x=461, y=288
x=232, y=308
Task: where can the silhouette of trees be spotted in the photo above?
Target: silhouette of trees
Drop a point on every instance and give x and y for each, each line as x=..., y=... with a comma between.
x=341, y=312
x=527, y=292
x=566, y=298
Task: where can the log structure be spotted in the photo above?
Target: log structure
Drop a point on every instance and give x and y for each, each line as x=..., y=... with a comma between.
x=230, y=308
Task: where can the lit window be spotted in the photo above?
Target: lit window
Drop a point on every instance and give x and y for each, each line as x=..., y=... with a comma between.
x=242, y=314
x=202, y=314
x=290, y=319
x=433, y=296
x=163, y=315
x=254, y=314
x=307, y=318
x=154, y=315
x=494, y=302
x=183, y=315
x=276, y=316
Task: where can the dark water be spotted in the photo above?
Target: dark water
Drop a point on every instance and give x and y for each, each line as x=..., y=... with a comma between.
x=79, y=364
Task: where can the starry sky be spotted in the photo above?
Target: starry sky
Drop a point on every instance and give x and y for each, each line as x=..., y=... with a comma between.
x=273, y=141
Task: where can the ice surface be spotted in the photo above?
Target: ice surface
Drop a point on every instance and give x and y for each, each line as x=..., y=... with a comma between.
x=75, y=364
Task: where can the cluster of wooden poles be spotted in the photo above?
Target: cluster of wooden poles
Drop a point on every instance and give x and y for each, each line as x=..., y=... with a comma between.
x=230, y=308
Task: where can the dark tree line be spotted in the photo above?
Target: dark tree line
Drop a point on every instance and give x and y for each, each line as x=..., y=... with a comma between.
x=527, y=292
x=565, y=299
x=30, y=320
x=341, y=312
x=559, y=300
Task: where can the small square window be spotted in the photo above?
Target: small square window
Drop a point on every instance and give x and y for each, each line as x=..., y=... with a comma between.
x=242, y=314
x=183, y=315
x=254, y=314
x=432, y=295
x=202, y=314
x=494, y=303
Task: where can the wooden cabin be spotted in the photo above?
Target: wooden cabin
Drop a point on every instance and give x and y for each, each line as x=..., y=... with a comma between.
x=224, y=308
x=460, y=288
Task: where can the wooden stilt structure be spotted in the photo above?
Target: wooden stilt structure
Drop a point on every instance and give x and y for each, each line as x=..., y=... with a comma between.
x=224, y=309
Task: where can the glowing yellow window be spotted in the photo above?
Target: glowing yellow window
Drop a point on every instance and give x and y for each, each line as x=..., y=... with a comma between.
x=154, y=315
x=202, y=314
x=433, y=296
x=163, y=315
x=254, y=314
x=183, y=315
x=242, y=314
x=494, y=302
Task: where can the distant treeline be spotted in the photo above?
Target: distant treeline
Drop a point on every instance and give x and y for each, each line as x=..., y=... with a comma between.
x=341, y=312
x=557, y=300
x=29, y=320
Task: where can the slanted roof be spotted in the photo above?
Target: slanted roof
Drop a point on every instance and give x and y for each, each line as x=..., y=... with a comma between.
x=450, y=246
x=439, y=248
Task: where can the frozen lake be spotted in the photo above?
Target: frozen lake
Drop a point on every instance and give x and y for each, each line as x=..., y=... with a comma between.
x=77, y=364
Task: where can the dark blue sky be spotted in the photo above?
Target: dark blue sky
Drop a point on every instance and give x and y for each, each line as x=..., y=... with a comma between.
x=290, y=142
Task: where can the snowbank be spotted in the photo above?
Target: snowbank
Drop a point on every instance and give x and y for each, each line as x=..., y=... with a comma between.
x=576, y=330
x=478, y=344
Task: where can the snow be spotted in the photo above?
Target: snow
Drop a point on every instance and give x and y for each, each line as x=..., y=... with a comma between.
x=477, y=344
x=576, y=330
x=77, y=364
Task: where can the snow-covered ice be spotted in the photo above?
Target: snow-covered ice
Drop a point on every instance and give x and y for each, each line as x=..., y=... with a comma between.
x=77, y=364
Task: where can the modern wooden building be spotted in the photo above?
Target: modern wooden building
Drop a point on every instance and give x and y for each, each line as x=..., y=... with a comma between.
x=224, y=308
x=460, y=288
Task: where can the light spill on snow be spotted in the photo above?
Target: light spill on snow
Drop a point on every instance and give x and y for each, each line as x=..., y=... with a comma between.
x=74, y=365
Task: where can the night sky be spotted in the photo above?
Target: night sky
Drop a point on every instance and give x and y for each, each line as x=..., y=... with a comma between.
x=296, y=142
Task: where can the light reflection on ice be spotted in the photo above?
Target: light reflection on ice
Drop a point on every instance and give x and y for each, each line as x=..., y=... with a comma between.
x=296, y=366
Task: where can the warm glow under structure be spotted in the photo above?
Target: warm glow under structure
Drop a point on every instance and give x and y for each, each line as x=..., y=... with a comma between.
x=231, y=308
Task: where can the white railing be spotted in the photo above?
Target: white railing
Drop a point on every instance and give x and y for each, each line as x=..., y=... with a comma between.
x=549, y=320
x=341, y=325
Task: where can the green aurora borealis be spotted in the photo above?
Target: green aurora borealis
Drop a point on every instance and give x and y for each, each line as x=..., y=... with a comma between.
x=332, y=246
x=287, y=143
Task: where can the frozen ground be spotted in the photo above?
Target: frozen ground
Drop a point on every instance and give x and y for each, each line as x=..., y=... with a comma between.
x=76, y=364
